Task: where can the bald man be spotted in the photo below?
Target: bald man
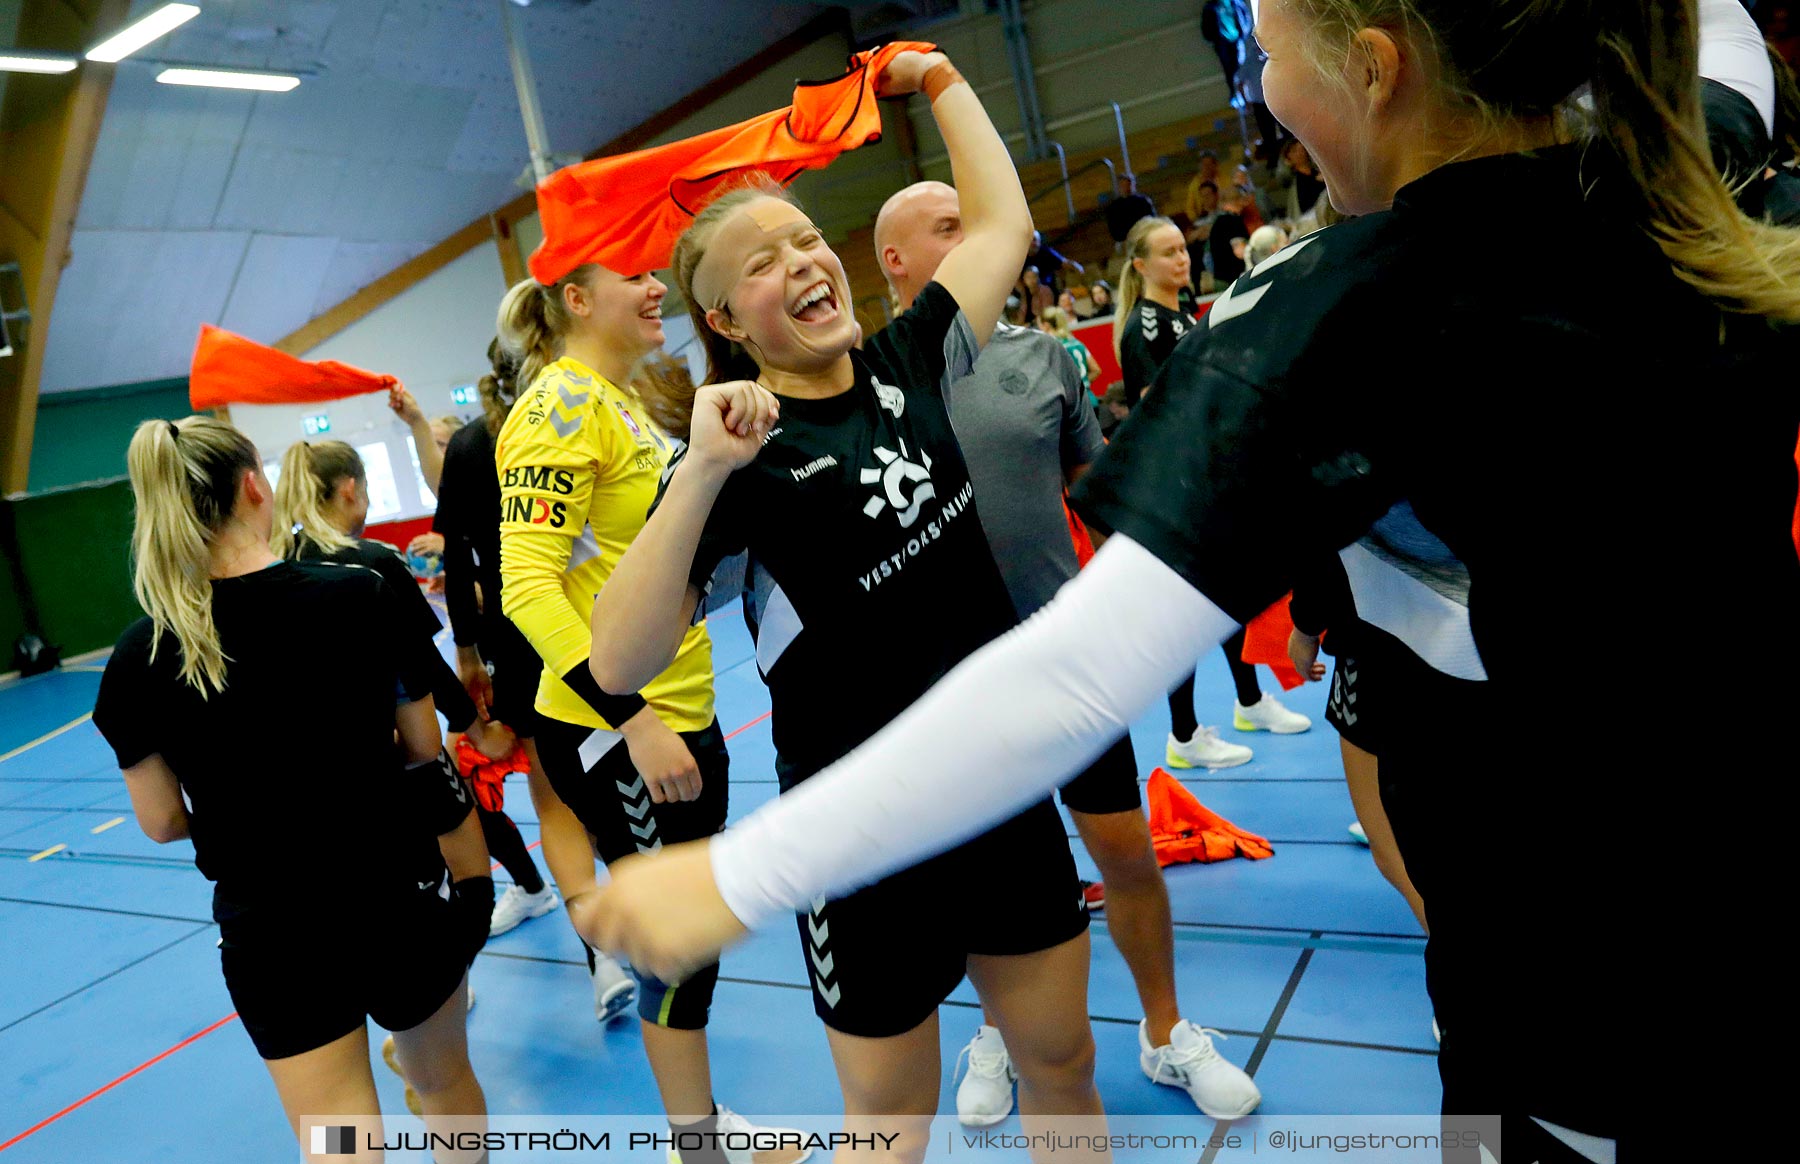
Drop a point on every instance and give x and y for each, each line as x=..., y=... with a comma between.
x=1027, y=430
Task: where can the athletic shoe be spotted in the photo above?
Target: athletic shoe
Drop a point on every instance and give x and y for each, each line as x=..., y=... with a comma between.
x=1093, y=895
x=517, y=906
x=1437, y=1032
x=731, y=1123
x=1356, y=830
x=392, y=1059
x=1206, y=750
x=614, y=989
x=1268, y=715
x=985, y=1096
x=1217, y=1087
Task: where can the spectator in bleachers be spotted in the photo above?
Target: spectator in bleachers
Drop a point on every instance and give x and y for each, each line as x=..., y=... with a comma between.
x=1227, y=261
x=1219, y=25
x=1034, y=296
x=1298, y=180
x=1066, y=303
x=1049, y=263
x=1202, y=211
x=1112, y=408
x=1126, y=208
x=1100, y=299
x=1056, y=321
x=1207, y=174
x=1264, y=241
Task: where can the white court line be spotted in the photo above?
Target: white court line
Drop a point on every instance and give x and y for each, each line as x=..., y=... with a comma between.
x=46, y=737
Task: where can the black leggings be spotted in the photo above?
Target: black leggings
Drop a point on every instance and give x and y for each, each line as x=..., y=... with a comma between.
x=506, y=846
x=1182, y=720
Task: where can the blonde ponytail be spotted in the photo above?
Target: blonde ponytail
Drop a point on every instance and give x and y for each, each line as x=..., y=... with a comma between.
x=184, y=482
x=1131, y=280
x=500, y=387
x=533, y=321
x=309, y=474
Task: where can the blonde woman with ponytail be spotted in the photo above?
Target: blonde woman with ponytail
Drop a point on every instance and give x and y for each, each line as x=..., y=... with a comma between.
x=579, y=457
x=1384, y=388
x=321, y=505
x=199, y=702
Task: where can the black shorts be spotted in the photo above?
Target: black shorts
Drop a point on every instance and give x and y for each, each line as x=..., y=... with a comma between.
x=1110, y=783
x=1351, y=708
x=515, y=670
x=883, y=959
x=608, y=797
x=306, y=973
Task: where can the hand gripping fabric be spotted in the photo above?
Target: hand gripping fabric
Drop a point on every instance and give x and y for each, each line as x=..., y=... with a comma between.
x=625, y=212
x=488, y=777
x=229, y=369
x=1182, y=829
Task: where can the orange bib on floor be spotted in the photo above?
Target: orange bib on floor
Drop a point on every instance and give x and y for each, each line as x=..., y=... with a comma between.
x=1182, y=829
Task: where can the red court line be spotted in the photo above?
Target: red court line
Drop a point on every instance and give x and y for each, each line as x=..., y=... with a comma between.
x=41, y=1125
x=752, y=723
x=528, y=849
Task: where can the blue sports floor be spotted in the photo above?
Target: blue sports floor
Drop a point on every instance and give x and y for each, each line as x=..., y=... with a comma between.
x=117, y=1041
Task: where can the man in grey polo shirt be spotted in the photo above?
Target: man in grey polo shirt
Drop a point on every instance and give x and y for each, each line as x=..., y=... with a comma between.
x=1027, y=429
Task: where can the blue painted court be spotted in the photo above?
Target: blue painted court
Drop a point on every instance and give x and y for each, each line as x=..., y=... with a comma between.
x=117, y=1040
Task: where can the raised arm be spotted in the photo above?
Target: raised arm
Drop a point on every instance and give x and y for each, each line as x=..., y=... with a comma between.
x=996, y=220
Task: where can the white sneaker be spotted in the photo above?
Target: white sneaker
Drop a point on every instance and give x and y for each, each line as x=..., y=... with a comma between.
x=1206, y=750
x=731, y=1123
x=985, y=1096
x=614, y=989
x=1268, y=715
x=1217, y=1087
x=1357, y=834
x=516, y=906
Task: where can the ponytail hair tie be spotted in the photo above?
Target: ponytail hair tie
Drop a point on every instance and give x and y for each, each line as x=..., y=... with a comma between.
x=174, y=431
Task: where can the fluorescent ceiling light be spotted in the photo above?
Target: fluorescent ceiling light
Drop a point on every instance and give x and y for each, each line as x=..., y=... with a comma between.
x=133, y=37
x=17, y=62
x=221, y=79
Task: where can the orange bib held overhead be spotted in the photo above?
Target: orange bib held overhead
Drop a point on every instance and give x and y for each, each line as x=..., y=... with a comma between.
x=229, y=369
x=1182, y=829
x=626, y=211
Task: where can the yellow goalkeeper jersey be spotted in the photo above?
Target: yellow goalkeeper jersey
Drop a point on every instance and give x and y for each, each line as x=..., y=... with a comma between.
x=579, y=462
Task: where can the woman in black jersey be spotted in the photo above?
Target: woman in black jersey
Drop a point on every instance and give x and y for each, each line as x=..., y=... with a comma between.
x=327, y=917
x=1149, y=323
x=501, y=671
x=856, y=503
x=1394, y=358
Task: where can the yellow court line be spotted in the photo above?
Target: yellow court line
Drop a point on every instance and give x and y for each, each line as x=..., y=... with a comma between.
x=100, y=828
x=47, y=852
x=46, y=737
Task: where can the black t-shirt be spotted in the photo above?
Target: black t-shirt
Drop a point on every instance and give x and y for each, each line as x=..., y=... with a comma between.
x=1151, y=333
x=859, y=512
x=291, y=771
x=1605, y=454
x=1123, y=213
x=447, y=691
x=468, y=515
x=1226, y=265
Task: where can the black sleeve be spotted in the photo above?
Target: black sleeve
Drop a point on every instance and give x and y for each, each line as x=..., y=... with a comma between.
x=1237, y=486
x=1322, y=598
x=1144, y=347
x=126, y=710
x=446, y=688
x=415, y=659
x=723, y=535
x=459, y=590
x=927, y=346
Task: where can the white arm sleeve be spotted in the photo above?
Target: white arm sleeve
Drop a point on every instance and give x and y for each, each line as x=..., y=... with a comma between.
x=1014, y=722
x=1732, y=53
